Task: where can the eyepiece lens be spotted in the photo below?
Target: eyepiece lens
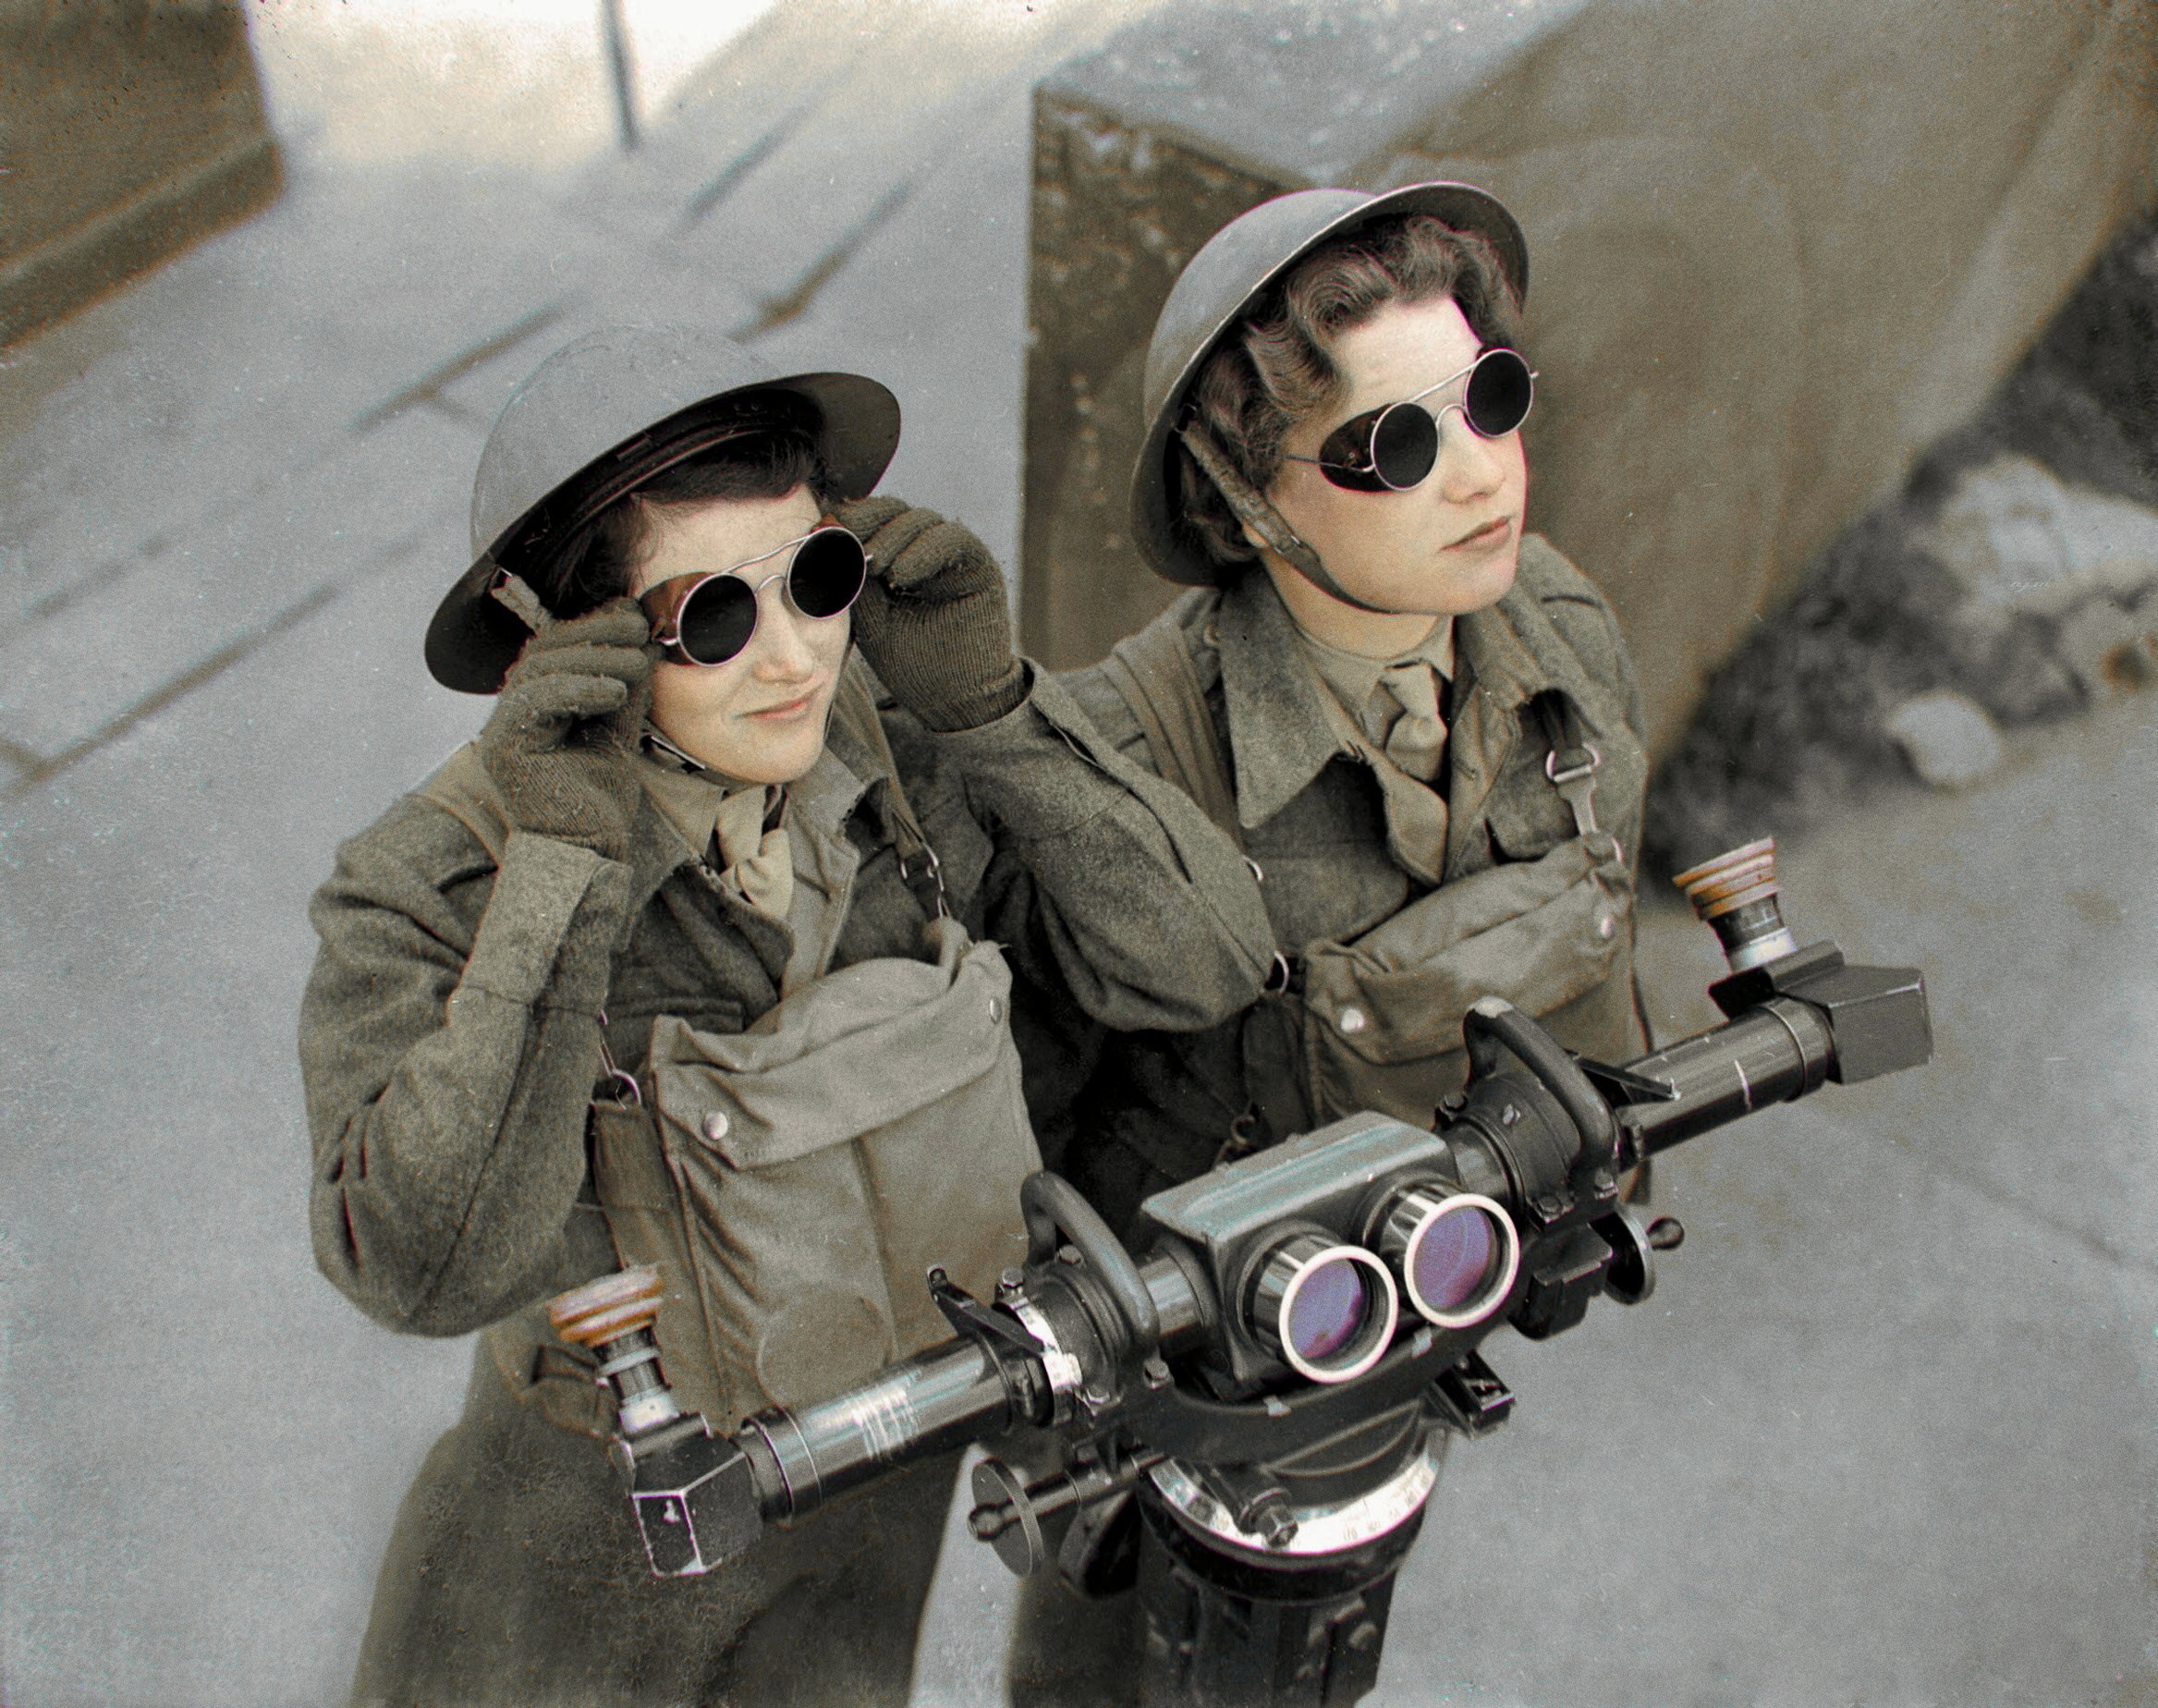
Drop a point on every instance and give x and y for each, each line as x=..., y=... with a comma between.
x=1454, y=1258
x=1455, y=1253
x=1327, y=1310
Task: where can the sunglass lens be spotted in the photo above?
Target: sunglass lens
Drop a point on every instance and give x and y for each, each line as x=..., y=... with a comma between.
x=1500, y=390
x=827, y=573
x=1405, y=443
x=718, y=619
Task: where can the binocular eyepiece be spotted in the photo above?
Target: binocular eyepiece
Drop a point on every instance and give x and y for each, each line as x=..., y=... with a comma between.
x=1456, y=1254
x=1329, y=1309
x=1326, y=1310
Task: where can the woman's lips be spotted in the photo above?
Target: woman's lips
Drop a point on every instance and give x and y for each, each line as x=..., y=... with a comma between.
x=783, y=713
x=1491, y=534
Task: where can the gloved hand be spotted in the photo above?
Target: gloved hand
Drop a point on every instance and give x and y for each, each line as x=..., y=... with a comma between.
x=563, y=732
x=932, y=620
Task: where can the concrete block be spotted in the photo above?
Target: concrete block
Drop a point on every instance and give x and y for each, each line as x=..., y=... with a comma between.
x=1725, y=204
x=127, y=132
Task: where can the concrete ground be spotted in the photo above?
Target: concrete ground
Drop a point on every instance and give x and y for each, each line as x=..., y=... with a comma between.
x=1885, y=1433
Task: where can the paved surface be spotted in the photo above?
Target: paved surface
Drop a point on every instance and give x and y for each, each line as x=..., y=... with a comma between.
x=1883, y=1435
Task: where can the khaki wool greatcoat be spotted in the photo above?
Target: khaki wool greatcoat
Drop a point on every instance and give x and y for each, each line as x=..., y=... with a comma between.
x=450, y=1039
x=1125, y=1115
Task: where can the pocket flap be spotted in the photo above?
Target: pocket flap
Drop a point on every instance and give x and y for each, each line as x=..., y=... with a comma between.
x=856, y=1051
x=1538, y=933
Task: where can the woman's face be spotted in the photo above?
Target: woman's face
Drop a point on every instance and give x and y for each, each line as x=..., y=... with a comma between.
x=1442, y=548
x=760, y=717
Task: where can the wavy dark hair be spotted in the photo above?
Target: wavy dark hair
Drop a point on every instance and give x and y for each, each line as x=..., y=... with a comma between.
x=1275, y=367
x=600, y=561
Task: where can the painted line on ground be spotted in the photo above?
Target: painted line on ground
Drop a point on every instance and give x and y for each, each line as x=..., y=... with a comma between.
x=792, y=303
x=425, y=388
x=37, y=768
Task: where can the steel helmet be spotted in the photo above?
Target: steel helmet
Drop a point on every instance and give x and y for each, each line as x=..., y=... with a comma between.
x=597, y=420
x=1214, y=291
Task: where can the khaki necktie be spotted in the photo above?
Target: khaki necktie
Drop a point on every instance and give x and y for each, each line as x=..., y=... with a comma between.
x=757, y=863
x=1416, y=738
x=1415, y=816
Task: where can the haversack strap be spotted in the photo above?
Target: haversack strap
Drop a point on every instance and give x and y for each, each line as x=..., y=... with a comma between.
x=1572, y=763
x=1154, y=673
x=855, y=711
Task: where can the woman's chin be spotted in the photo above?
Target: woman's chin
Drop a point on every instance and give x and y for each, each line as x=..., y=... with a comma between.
x=791, y=750
x=1480, y=585
x=753, y=755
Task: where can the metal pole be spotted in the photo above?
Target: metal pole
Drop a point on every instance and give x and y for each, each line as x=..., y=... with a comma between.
x=618, y=39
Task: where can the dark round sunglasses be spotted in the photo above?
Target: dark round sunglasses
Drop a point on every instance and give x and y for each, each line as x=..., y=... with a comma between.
x=707, y=615
x=1393, y=448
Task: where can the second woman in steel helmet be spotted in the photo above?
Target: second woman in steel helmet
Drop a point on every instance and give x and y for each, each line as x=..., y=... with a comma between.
x=1415, y=719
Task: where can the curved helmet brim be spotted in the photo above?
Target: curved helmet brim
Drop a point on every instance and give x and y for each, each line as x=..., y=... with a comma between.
x=473, y=640
x=1245, y=260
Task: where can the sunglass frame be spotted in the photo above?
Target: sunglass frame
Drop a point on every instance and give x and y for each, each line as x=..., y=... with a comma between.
x=1366, y=477
x=664, y=606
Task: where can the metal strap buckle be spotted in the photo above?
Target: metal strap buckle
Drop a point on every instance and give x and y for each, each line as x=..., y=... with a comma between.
x=1576, y=770
x=1242, y=1140
x=1577, y=784
x=930, y=869
x=627, y=1093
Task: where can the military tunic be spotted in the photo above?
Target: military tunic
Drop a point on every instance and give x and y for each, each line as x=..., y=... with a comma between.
x=1125, y=1115
x=450, y=1040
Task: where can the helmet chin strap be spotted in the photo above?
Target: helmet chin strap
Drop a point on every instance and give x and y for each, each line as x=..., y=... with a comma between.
x=1253, y=509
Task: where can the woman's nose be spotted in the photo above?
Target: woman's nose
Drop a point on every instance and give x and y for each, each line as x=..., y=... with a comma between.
x=782, y=648
x=1469, y=464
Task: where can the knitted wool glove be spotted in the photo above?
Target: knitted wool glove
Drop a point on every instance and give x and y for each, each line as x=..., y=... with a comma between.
x=932, y=620
x=562, y=737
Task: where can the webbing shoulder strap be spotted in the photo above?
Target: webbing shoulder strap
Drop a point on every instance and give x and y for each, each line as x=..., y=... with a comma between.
x=854, y=710
x=1153, y=672
x=1572, y=763
x=462, y=789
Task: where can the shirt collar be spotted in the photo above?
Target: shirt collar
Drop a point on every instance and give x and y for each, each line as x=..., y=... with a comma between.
x=686, y=794
x=1353, y=676
x=1280, y=735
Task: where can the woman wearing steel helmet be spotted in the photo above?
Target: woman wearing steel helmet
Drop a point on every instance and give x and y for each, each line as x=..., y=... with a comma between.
x=686, y=961
x=1416, y=721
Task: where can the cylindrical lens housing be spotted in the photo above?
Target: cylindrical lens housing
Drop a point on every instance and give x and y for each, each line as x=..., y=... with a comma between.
x=1457, y=1253
x=1326, y=1310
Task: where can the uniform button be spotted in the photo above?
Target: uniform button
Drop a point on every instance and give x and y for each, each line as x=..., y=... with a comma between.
x=996, y=1011
x=715, y=1126
x=1353, y=1020
x=1605, y=926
